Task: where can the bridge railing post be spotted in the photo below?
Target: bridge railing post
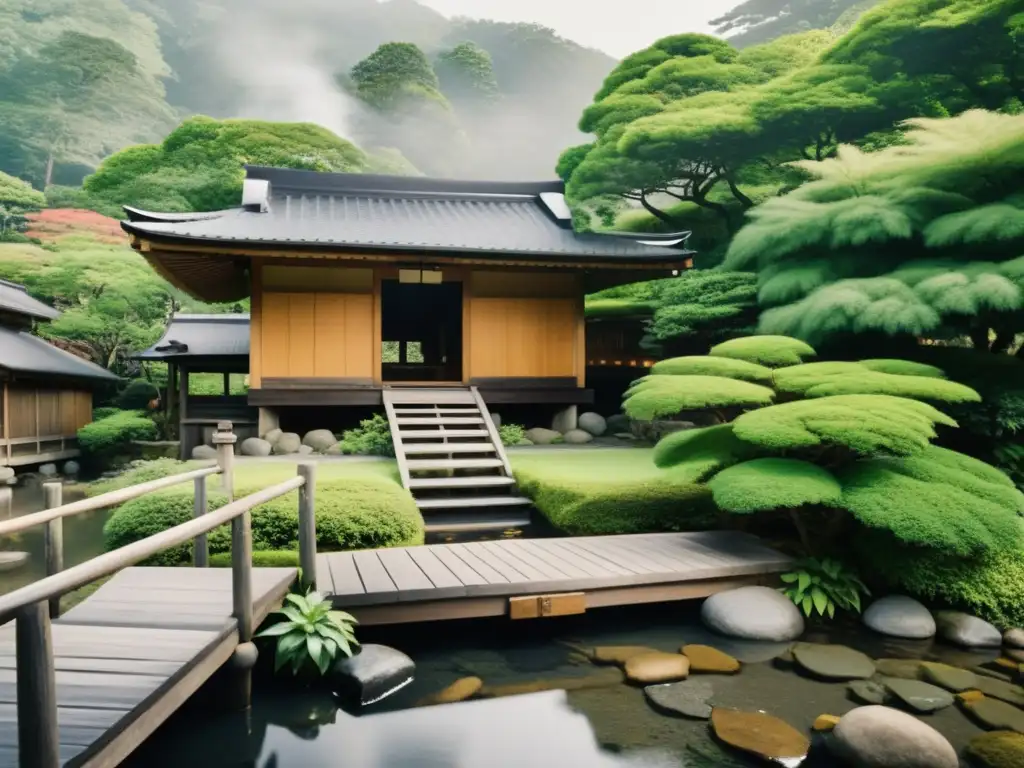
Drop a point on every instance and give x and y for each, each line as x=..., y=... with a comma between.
x=224, y=440
x=53, y=539
x=307, y=525
x=244, y=657
x=201, y=505
x=38, y=735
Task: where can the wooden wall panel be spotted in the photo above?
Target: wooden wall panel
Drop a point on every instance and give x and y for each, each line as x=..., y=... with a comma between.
x=22, y=401
x=317, y=279
x=523, y=338
x=525, y=285
x=45, y=412
x=275, y=331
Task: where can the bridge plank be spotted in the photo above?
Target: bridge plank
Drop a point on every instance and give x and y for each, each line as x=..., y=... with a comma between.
x=374, y=576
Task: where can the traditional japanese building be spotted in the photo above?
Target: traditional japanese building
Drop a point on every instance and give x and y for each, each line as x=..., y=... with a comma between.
x=47, y=392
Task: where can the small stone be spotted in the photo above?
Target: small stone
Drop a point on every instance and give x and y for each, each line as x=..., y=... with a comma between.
x=1013, y=638
x=48, y=470
x=997, y=674
x=688, y=698
x=882, y=737
x=759, y=734
x=995, y=715
x=204, y=452
x=254, y=446
x=833, y=662
x=462, y=689
x=1000, y=689
x=319, y=439
x=618, y=422
x=541, y=436
x=825, y=723
x=1015, y=655
x=6, y=473
x=593, y=423
x=71, y=468
x=1008, y=664
x=656, y=667
x=900, y=616
x=273, y=435
x=918, y=696
x=618, y=654
x=305, y=450
x=577, y=437
x=868, y=691
x=908, y=669
x=753, y=613
x=948, y=677
x=704, y=658
x=334, y=450
x=966, y=630
x=374, y=672
x=286, y=444
x=970, y=696
x=997, y=749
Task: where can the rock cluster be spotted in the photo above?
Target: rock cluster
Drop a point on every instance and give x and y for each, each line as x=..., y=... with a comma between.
x=279, y=443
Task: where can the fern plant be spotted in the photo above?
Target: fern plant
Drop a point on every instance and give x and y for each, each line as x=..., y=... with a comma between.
x=823, y=585
x=311, y=633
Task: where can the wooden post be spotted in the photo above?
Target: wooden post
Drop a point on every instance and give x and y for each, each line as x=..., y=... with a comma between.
x=39, y=445
x=38, y=735
x=53, y=540
x=224, y=441
x=7, y=421
x=307, y=525
x=241, y=574
x=171, y=386
x=201, y=548
x=227, y=384
x=186, y=449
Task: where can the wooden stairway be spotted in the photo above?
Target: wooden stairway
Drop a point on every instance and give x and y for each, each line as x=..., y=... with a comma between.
x=450, y=458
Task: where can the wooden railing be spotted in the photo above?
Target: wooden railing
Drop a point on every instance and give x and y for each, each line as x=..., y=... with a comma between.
x=33, y=606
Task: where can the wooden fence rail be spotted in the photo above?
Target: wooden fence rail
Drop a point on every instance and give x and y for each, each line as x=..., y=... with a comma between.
x=36, y=679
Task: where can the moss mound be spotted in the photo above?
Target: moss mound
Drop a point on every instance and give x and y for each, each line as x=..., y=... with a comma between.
x=702, y=365
x=998, y=749
x=903, y=367
x=261, y=558
x=772, y=351
x=695, y=453
x=658, y=396
x=767, y=484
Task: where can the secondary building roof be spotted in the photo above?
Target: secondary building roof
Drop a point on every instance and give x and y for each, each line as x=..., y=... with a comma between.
x=14, y=298
x=192, y=336
x=22, y=352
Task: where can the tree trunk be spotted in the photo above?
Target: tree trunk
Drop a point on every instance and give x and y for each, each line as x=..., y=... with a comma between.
x=979, y=338
x=655, y=212
x=49, y=170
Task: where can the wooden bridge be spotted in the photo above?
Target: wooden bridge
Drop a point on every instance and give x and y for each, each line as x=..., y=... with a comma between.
x=88, y=688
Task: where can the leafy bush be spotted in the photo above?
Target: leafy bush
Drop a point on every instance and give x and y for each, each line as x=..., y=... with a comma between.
x=512, y=434
x=137, y=395
x=371, y=438
x=823, y=586
x=261, y=558
x=103, y=412
x=654, y=396
x=311, y=632
x=139, y=472
x=112, y=436
x=771, y=351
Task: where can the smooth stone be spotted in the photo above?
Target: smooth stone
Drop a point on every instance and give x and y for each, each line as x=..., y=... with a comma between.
x=577, y=437
x=908, y=669
x=618, y=654
x=601, y=678
x=541, y=436
x=593, y=423
x=868, y=691
x=968, y=631
x=618, y=422
x=997, y=674
x=305, y=450
x=375, y=672
x=919, y=696
x=759, y=734
x=1014, y=654
x=11, y=561
x=1002, y=690
x=334, y=450
x=319, y=439
x=882, y=737
x=273, y=435
x=656, y=667
x=825, y=723
x=704, y=658
x=6, y=473
x=460, y=690
x=1012, y=638
x=287, y=443
x=688, y=698
x=966, y=697
x=204, y=452
x=994, y=714
x=900, y=616
x=753, y=613
x=254, y=446
x=48, y=470
x=71, y=468
x=496, y=418
x=948, y=677
x=997, y=749
x=833, y=662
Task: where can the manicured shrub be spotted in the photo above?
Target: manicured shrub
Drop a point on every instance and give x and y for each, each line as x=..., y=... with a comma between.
x=512, y=434
x=703, y=365
x=261, y=558
x=103, y=412
x=139, y=472
x=654, y=397
x=112, y=436
x=371, y=438
x=137, y=395
x=772, y=351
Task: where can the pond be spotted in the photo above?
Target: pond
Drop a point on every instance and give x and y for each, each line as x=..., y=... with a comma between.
x=602, y=721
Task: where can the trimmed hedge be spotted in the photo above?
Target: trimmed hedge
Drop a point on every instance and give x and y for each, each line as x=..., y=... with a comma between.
x=113, y=435
x=261, y=558
x=350, y=514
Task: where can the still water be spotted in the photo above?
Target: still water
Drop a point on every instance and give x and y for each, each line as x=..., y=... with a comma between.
x=597, y=722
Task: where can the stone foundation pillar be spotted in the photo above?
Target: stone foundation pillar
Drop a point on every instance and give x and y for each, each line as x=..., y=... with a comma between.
x=268, y=420
x=566, y=419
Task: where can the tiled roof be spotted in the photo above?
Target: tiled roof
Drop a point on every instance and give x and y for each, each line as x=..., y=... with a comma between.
x=14, y=298
x=25, y=353
x=201, y=336
x=310, y=210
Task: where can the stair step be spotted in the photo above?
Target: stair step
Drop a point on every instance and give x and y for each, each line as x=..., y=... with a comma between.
x=424, y=396
x=442, y=448
x=439, y=420
x=468, y=522
x=424, y=483
x=431, y=411
x=438, y=435
x=426, y=465
x=471, y=502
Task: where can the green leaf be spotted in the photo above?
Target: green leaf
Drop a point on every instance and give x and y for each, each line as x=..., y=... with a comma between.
x=831, y=611
x=315, y=647
x=805, y=580
x=277, y=630
x=820, y=600
x=294, y=615
x=298, y=601
x=807, y=605
x=789, y=578
x=285, y=646
x=342, y=617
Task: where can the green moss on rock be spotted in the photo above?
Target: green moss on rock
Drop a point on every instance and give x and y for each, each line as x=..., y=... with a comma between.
x=772, y=351
x=771, y=483
x=903, y=367
x=998, y=749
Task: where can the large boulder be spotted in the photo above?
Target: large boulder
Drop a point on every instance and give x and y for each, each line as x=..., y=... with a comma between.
x=496, y=418
x=618, y=422
x=374, y=672
x=305, y=450
x=319, y=439
x=966, y=630
x=204, y=452
x=272, y=436
x=577, y=437
x=286, y=444
x=541, y=436
x=594, y=423
x=254, y=446
x=883, y=737
x=900, y=616
x=753, y=613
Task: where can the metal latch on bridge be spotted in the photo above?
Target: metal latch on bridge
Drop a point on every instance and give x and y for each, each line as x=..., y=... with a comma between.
x=540, y=606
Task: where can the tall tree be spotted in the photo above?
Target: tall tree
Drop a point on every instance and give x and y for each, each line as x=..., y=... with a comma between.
x=17, y=198
x=466, y=75
x=758, y=21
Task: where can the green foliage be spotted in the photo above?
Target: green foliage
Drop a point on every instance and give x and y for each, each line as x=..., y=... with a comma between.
x=696, y=453
x=512, y=434
x=103, y=412
x=767, y=484
x=770, y=351
x=371, y=438
x=310, y=633
x=137, y=395
x=261, y=558
x=714, y=366
x=16, y=199
x=393, y=72
x=823, y=586
x=600, y=308
x=903, y=368
x=139, y=472
x=844, y=378
x=658, y=396
x=466, y=74
x=104, y=439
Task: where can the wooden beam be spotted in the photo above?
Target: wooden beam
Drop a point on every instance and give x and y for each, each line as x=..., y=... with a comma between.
x=255, y=325
x=7, y=421
x=186, y=450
